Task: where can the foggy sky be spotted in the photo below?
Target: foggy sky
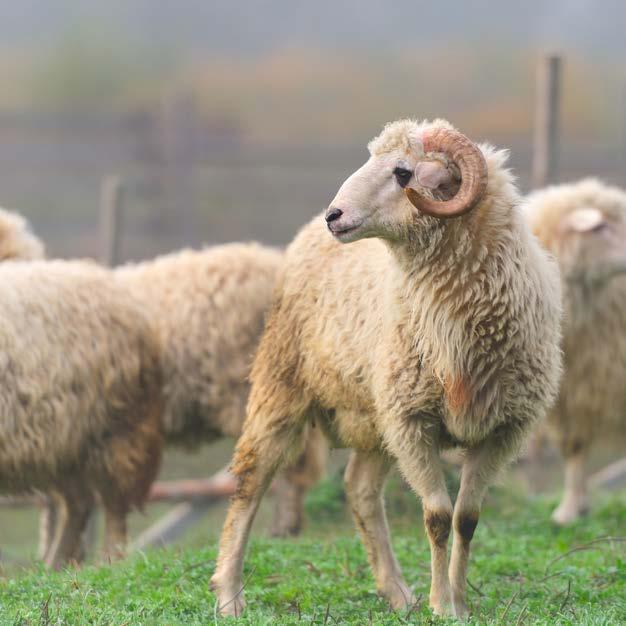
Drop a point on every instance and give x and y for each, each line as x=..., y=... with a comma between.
x=594, y=28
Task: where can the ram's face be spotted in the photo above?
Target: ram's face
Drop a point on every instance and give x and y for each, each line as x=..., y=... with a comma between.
x=591, y=241
x=372, y=201
x=413, y=172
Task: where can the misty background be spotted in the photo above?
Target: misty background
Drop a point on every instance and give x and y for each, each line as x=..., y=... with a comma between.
x=238, y=121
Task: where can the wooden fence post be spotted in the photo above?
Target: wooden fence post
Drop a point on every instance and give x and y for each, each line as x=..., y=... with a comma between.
x=546, y=134
x=110, y=220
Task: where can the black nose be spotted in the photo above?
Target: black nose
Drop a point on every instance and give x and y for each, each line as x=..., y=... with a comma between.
x=333, y=214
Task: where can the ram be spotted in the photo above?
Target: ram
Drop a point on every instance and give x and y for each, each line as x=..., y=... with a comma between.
x=428, y=317
x=584, y=225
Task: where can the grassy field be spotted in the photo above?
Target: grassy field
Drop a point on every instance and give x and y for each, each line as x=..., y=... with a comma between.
x=523, y=571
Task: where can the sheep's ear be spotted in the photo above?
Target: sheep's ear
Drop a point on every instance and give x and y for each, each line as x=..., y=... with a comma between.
x=432, y=174
x=584, y=221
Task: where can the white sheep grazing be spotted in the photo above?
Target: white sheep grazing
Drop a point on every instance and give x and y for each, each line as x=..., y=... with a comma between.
x=584, y=225
x=418, y=323
x=80, y=404
x=209, y=309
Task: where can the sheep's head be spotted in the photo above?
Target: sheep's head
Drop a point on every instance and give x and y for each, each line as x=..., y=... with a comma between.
x=16, y=239
x=584, y=226
x=414, y=171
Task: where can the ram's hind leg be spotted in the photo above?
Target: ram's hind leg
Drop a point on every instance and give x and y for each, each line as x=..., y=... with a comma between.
x=575, y=500
x=480, y=469
x=270, y=431
x=365, y=481
x=295, y=480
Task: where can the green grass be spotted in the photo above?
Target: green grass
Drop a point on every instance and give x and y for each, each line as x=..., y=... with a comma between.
x=523, y=571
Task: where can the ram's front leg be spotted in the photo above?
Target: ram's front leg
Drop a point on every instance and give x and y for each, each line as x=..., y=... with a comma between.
x=415, y=444
x=295, y=480
x=365, y=481
x=480, y=469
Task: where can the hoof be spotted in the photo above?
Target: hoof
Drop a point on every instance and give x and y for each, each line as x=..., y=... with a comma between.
x=460, y=610
x=232, y=608
x=229, y=600
x=442, y=607
x=568, y=513
x=399, y=596
x=442, y=610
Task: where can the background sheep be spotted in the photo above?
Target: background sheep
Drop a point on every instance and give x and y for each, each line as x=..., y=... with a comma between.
x=80, y=401
x=424, y=333
x=209, y=307
x=584, y=225
x=17, y=242
x=16, y=239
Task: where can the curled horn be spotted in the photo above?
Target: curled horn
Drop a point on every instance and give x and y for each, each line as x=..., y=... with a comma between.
x=472, y=166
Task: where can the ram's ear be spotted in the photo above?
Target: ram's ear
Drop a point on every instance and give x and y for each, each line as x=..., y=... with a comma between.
x=433, y=174
x=463, y=161
x=584, y=220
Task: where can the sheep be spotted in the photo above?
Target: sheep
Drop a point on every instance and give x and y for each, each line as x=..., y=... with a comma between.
x=16, y=239
x=584, y=225
x=80, y=406
x=209, y=308
x=428, y=318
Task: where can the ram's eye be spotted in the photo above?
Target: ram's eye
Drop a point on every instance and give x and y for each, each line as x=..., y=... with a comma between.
x=402, y=176
x=600, y=228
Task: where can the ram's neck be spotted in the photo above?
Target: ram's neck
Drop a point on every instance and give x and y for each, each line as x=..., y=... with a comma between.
x=455, y=290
